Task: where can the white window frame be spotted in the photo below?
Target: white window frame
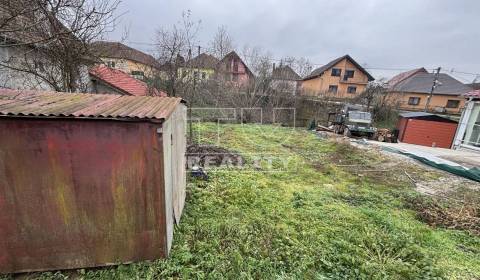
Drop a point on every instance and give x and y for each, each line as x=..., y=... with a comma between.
x=462, y=126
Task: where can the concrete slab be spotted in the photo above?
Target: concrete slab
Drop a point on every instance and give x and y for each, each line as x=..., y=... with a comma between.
x=466, y=158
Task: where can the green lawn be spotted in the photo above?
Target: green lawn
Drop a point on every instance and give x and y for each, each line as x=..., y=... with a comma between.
x=302, y=217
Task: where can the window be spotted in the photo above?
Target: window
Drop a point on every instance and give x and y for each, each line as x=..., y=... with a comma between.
x=235, y=65
x=111, y=64
x=349, y=74
x=39, y=65
x=453, y=103
x=138, y=73
x=332, y=89
x=351, y=89
x=414, y=101
x=235, y=77
x=472, y=132
x=204, y=75
x=336, y=72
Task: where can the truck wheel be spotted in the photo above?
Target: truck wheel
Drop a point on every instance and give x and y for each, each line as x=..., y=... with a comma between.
x=346, y=132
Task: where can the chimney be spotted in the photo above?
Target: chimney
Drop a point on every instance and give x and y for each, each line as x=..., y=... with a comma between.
x=274, y=66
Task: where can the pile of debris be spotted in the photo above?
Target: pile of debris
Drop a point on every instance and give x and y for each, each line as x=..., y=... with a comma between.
x=462, y=216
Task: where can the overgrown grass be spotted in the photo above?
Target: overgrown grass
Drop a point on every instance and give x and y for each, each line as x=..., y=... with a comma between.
x=307, y=219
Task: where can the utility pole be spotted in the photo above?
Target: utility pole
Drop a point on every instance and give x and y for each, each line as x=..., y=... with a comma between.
x=435, y=83
x=190, y=105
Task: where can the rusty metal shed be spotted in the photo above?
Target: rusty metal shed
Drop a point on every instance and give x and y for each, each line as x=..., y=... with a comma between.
x=88, y=180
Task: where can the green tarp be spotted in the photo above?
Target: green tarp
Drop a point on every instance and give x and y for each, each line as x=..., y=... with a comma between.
x=470, y=173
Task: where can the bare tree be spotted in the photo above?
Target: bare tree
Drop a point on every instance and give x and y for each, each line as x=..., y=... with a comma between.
x=374, y=93
x=376, y=98
x=222, y=43
x=49, y=41
x=260, y=62
x=173, y=45
x=302, y=66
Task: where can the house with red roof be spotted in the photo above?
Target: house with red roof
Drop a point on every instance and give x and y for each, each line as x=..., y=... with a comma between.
x=233, y=70
x=105, y=80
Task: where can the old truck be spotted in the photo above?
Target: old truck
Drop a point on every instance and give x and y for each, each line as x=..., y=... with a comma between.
x=352, y=121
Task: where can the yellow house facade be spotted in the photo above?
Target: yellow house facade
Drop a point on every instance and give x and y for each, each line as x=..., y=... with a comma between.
x=340, y=78
x=414, y=101
x=129, y=60
x=201, y=68
x=411, y=90
x=201, y=74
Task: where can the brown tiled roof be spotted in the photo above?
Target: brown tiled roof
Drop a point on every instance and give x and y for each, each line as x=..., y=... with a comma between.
x=319, y=71
x=119, y=50
x=85, y=105
x=285, y=73
x=123, y=82
x=204, y=61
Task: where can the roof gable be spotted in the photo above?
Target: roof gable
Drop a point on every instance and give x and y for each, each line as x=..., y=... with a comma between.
x=233, y=54
x=319, y=71
x=405, y=75
x=204, y=61
x=122, y=81
x=285, y=73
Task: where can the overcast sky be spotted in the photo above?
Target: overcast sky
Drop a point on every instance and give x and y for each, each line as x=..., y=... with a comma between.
x=376, y=33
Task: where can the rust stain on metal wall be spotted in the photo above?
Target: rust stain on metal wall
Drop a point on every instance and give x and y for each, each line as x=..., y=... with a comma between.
x=79, y=194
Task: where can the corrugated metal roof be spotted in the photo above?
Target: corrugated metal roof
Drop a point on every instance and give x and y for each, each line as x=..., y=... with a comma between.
x=426, y=116
x=415, y=114
x=84, y=105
